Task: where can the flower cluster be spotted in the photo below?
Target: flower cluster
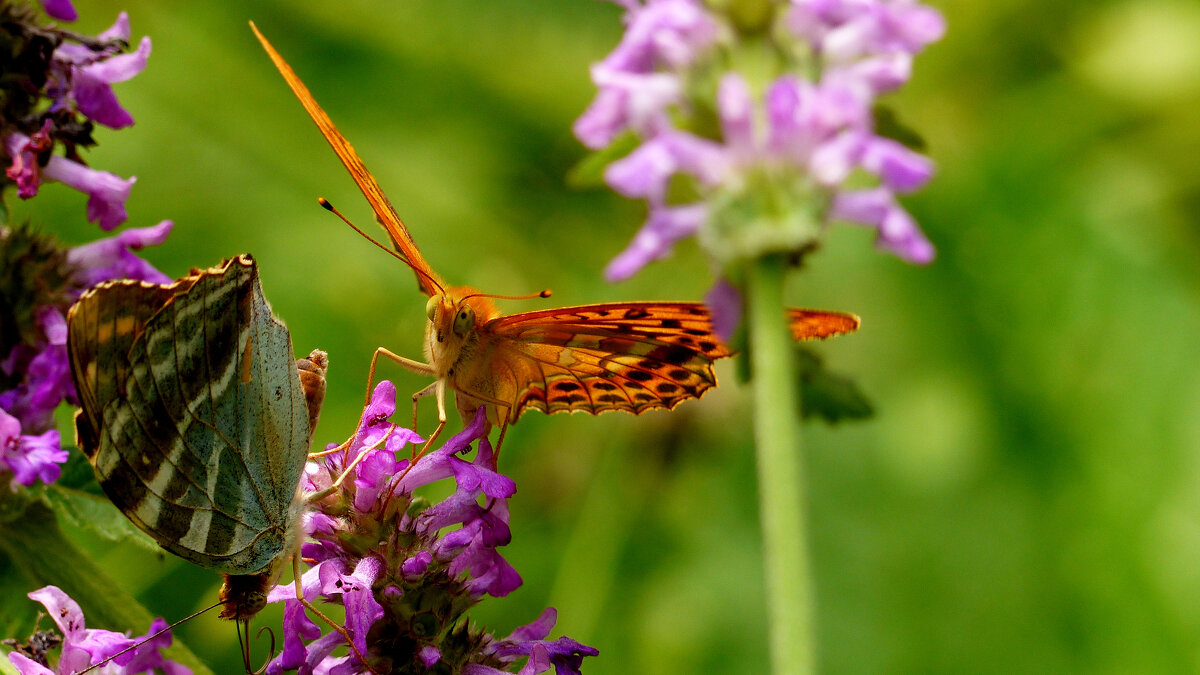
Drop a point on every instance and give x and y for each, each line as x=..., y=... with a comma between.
x=406, y=571
x=38, y=282
x=57, y=86
x=82, y=647
x=755, y=123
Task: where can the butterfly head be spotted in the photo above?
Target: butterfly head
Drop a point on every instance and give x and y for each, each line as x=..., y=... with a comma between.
x=454, y=318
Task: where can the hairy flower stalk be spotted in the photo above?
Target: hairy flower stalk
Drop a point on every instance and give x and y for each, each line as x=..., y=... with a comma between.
x=83, y=647
x=406, y=571
x=753, y=128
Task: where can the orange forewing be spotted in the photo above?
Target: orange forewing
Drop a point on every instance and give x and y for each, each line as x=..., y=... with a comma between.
x=632, y=356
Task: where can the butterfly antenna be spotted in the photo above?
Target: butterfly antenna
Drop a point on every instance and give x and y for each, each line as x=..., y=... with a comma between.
x=541, y=294
x=432, y=282
x=148, y=639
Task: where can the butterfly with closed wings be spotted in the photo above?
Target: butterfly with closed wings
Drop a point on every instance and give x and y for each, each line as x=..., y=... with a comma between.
x=632, y=356
x=197, y=421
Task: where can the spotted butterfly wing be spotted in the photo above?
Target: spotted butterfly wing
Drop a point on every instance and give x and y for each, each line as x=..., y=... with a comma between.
x=633, y=356
x=194, y=416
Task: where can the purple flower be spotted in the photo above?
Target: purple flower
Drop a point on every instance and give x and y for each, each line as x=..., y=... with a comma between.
x=665, y=226
x=775, y=175
x=113, y=258
x=564, y=654
x=898, y=232
x=83, y=647
x=78, y=78
x=106, y=192
x=29, y=458
x=37, y=369
x=662, y=35
x=93, y=85
x=725, y=303
x=25, y=171
x=386, y=557
x=62, y=10
x=45, y=373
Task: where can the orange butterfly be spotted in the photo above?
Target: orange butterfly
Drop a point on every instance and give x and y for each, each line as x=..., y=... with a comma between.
x=633, y=356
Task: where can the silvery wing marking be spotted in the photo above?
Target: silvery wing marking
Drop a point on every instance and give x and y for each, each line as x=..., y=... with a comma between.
x=194, y=416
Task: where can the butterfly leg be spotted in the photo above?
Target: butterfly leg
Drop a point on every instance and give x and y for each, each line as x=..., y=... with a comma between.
x=432, y=388
x=439, y=388
x=408, y=364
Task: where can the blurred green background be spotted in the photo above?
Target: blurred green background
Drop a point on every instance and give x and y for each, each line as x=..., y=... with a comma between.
x=1027, y=498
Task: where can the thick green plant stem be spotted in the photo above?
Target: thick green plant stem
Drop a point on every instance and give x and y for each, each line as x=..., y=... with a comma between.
x=36, y=547
x=780, y=472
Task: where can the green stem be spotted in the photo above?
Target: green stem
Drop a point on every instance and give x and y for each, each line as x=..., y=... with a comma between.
x=780, y=472
x=36, y=547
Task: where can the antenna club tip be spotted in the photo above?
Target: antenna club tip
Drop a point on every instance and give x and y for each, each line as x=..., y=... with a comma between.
x=325, y=203
x=544, y=294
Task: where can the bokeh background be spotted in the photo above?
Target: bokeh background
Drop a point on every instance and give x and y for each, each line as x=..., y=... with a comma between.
x=1027, y=498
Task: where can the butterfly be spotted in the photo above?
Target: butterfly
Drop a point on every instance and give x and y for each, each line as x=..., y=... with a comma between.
x=631, y=356
x=197, y=420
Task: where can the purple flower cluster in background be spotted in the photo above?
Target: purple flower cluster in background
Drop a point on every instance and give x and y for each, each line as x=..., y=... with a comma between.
x=65, y=85
x=801, y=134
x=406, y=572
x=83, y=647
x=56, y=87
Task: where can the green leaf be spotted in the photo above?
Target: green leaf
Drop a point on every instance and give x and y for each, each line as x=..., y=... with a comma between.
x=77, y=474
x=826, y=395
x=96, y=513
x=589, y=172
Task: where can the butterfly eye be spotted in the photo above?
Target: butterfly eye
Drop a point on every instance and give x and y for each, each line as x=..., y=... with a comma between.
x=431, y=306
x=464, y=320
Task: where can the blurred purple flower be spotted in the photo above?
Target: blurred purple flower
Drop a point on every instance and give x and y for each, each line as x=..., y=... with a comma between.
x=790, y=141
x=725, y=303
x=62, y=10
x=83, y=647
x=386, y=559
x=662, y=34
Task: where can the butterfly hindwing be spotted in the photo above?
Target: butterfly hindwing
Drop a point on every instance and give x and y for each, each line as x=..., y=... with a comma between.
x=595, y=358
x=202, y=440
x=634, y=356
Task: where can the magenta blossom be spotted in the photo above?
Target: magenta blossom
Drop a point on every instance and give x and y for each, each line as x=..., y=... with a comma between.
x=379, y=552
x=62, y=10
x=77, y=92
x=113, y=258
x=106, y=192
x=29, y=458
x=36, y=369
x=83, y=647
